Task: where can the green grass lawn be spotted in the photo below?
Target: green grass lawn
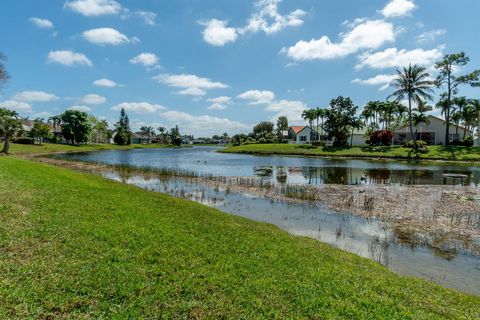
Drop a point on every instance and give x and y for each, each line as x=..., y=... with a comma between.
x=450, y=153
x=74, y=245
x=25, y=149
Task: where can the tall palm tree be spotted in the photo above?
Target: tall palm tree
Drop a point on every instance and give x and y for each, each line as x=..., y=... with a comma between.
x=310, y=115
x=321, y=115
x=461, y=103
x=412, y=83
x=423, y=106
x=9, y=126
x=147, y=132
x=475, y=103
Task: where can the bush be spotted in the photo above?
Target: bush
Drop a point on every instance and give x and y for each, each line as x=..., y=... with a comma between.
x=319, y=144
x=421, y=145
x=23, y=140
x=468, y=142
x=380, y=138
x=123, y=138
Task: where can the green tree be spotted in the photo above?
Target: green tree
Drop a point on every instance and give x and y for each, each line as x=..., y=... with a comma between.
x=175, y=136
x=457, y=115
x=282, y=123
x=320, y=114
x=40, y=131
x=161, y=135
x=123, y=135
x=99, y=133
x=451, y=82
x=76, y=126
x=341, y=116
x=9, y=127
x=423, y=107
x=264, y=132
x=413, y=84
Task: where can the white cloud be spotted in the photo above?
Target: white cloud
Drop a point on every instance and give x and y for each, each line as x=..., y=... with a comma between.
x=217, y=33
x=431, y=35
x=103, y=36
x=42, y=23
x=189, y=83
x=203, y=124
x=80, y=108
x=16, y=106
x=291, y=109
x=258, y=96
x=398, y=8
x=219, y=103
x=370, y=34
x=138, y=107
x=92, y=99
x=68, y=58
x=266, y=18
x=146, y=58
x=91, y=8
x=35, y=96
x=382, y=80
x=147, y=17
x=394, y=58
x=105, y=83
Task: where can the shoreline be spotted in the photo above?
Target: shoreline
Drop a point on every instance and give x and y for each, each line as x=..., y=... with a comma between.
x=268, y=152
x=442, y=217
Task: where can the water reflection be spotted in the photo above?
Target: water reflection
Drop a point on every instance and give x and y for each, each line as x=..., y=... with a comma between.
x=293, y=170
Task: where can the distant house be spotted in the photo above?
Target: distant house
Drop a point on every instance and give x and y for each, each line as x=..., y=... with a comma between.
x=302, y=134
x=138, y=138
x=432, y=133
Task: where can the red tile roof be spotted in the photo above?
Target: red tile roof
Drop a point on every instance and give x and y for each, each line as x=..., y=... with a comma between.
x=297, y=129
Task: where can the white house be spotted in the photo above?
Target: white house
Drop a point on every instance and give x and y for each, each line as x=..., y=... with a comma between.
x=433, y=133
x=302, y=134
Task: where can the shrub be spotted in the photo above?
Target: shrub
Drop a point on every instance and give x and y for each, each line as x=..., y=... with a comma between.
x=380, y=138
x=421, y=145
x=23, y=140
x=319, y=144
x=123, y=138
x=468, y=142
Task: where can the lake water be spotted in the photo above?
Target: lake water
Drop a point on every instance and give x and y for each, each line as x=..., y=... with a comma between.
x=369, y=238
x=315, y=171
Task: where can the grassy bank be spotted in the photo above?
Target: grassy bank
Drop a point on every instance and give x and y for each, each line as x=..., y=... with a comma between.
x=78, y=246
x=450, y=153
x=26, y=149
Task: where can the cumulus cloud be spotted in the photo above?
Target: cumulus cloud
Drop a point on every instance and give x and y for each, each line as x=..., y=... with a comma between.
x=398, y=8
x=219, y=103
x=92, y=8
x=147, y=59
x=42, y=23
x=138, y=107
x=382, y=80
x=291, y=109
x=35, y=96
x=147, y=17
x=370, y=34
x=203, y=124
x=18, y=106
x=106, y=83
x=68, y=58
x=80, y=108
x=190, y=84
x=91, y=99
x=103, y=36
x=217, y=33
x=431, y=35
x=257, y=96
x=394, y=58
x=266, y=17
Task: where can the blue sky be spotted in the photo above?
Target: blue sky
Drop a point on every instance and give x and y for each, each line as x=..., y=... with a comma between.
x=215, y=66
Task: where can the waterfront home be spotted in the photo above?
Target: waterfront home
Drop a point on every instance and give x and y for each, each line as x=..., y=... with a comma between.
x=139, y=138
x=302, y=134
x=433, y=133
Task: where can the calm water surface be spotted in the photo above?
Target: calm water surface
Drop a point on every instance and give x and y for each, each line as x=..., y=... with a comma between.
x=369, y=238
x=287, y=169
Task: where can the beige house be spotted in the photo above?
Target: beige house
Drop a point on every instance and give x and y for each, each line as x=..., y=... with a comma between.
x=432, y=133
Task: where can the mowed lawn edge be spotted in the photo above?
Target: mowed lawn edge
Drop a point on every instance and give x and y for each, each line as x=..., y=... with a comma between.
x=75, y=245
x=450, y=153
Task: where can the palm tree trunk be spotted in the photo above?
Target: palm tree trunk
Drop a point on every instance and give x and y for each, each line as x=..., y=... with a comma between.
x=6, y=145
x=410, y=123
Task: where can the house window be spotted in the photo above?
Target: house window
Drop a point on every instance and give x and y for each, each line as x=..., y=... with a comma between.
x=303, y=138
x=454, y=137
